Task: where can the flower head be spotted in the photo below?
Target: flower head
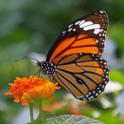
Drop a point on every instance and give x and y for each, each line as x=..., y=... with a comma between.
x=25, y=89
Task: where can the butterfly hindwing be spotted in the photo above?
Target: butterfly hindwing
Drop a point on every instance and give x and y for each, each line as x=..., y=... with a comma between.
x=83, y=75
x=85, y=35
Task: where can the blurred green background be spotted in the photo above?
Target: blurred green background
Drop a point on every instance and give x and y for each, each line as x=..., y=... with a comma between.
x=31, y=26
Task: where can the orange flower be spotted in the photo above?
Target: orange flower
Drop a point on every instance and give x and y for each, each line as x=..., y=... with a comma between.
x=25, y=89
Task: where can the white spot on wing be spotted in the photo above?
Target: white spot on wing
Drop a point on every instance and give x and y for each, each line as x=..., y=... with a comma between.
x=70, y=26
x=96, y=31
x=76, y=23
x=94, y=26
x=74, y=29
x=101, y=12
x=63, y=33
x=69, y=29
x=82, y=24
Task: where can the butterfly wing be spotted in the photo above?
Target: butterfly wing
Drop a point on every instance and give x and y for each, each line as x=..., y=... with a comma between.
x=83, y=75
x=75, y=60
x=85, y=35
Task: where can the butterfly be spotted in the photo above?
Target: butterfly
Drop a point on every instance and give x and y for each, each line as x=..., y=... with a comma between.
x=74, y=60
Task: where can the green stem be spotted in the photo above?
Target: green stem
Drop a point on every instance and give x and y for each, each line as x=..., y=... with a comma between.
x=41, y=114
x=31, y=112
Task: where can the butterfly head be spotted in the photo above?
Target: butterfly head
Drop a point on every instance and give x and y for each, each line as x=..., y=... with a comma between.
x=46, y=67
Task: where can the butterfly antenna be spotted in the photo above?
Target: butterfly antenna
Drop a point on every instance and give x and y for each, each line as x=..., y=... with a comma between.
x=27, y=57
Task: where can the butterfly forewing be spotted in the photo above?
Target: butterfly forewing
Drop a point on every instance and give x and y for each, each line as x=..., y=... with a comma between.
x=85, y=35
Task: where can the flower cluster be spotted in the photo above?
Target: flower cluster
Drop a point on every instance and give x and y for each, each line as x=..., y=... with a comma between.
x=25, y=89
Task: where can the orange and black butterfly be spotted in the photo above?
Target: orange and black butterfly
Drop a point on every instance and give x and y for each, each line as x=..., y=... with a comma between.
x=74, y=60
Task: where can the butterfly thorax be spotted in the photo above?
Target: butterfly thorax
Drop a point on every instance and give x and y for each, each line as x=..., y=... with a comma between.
x=47, y=67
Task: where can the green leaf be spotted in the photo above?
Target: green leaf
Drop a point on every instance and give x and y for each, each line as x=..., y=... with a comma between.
x=45, y=115
x=117, y=76
x=116, y=33
x=72, y=119
x=48, y=114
